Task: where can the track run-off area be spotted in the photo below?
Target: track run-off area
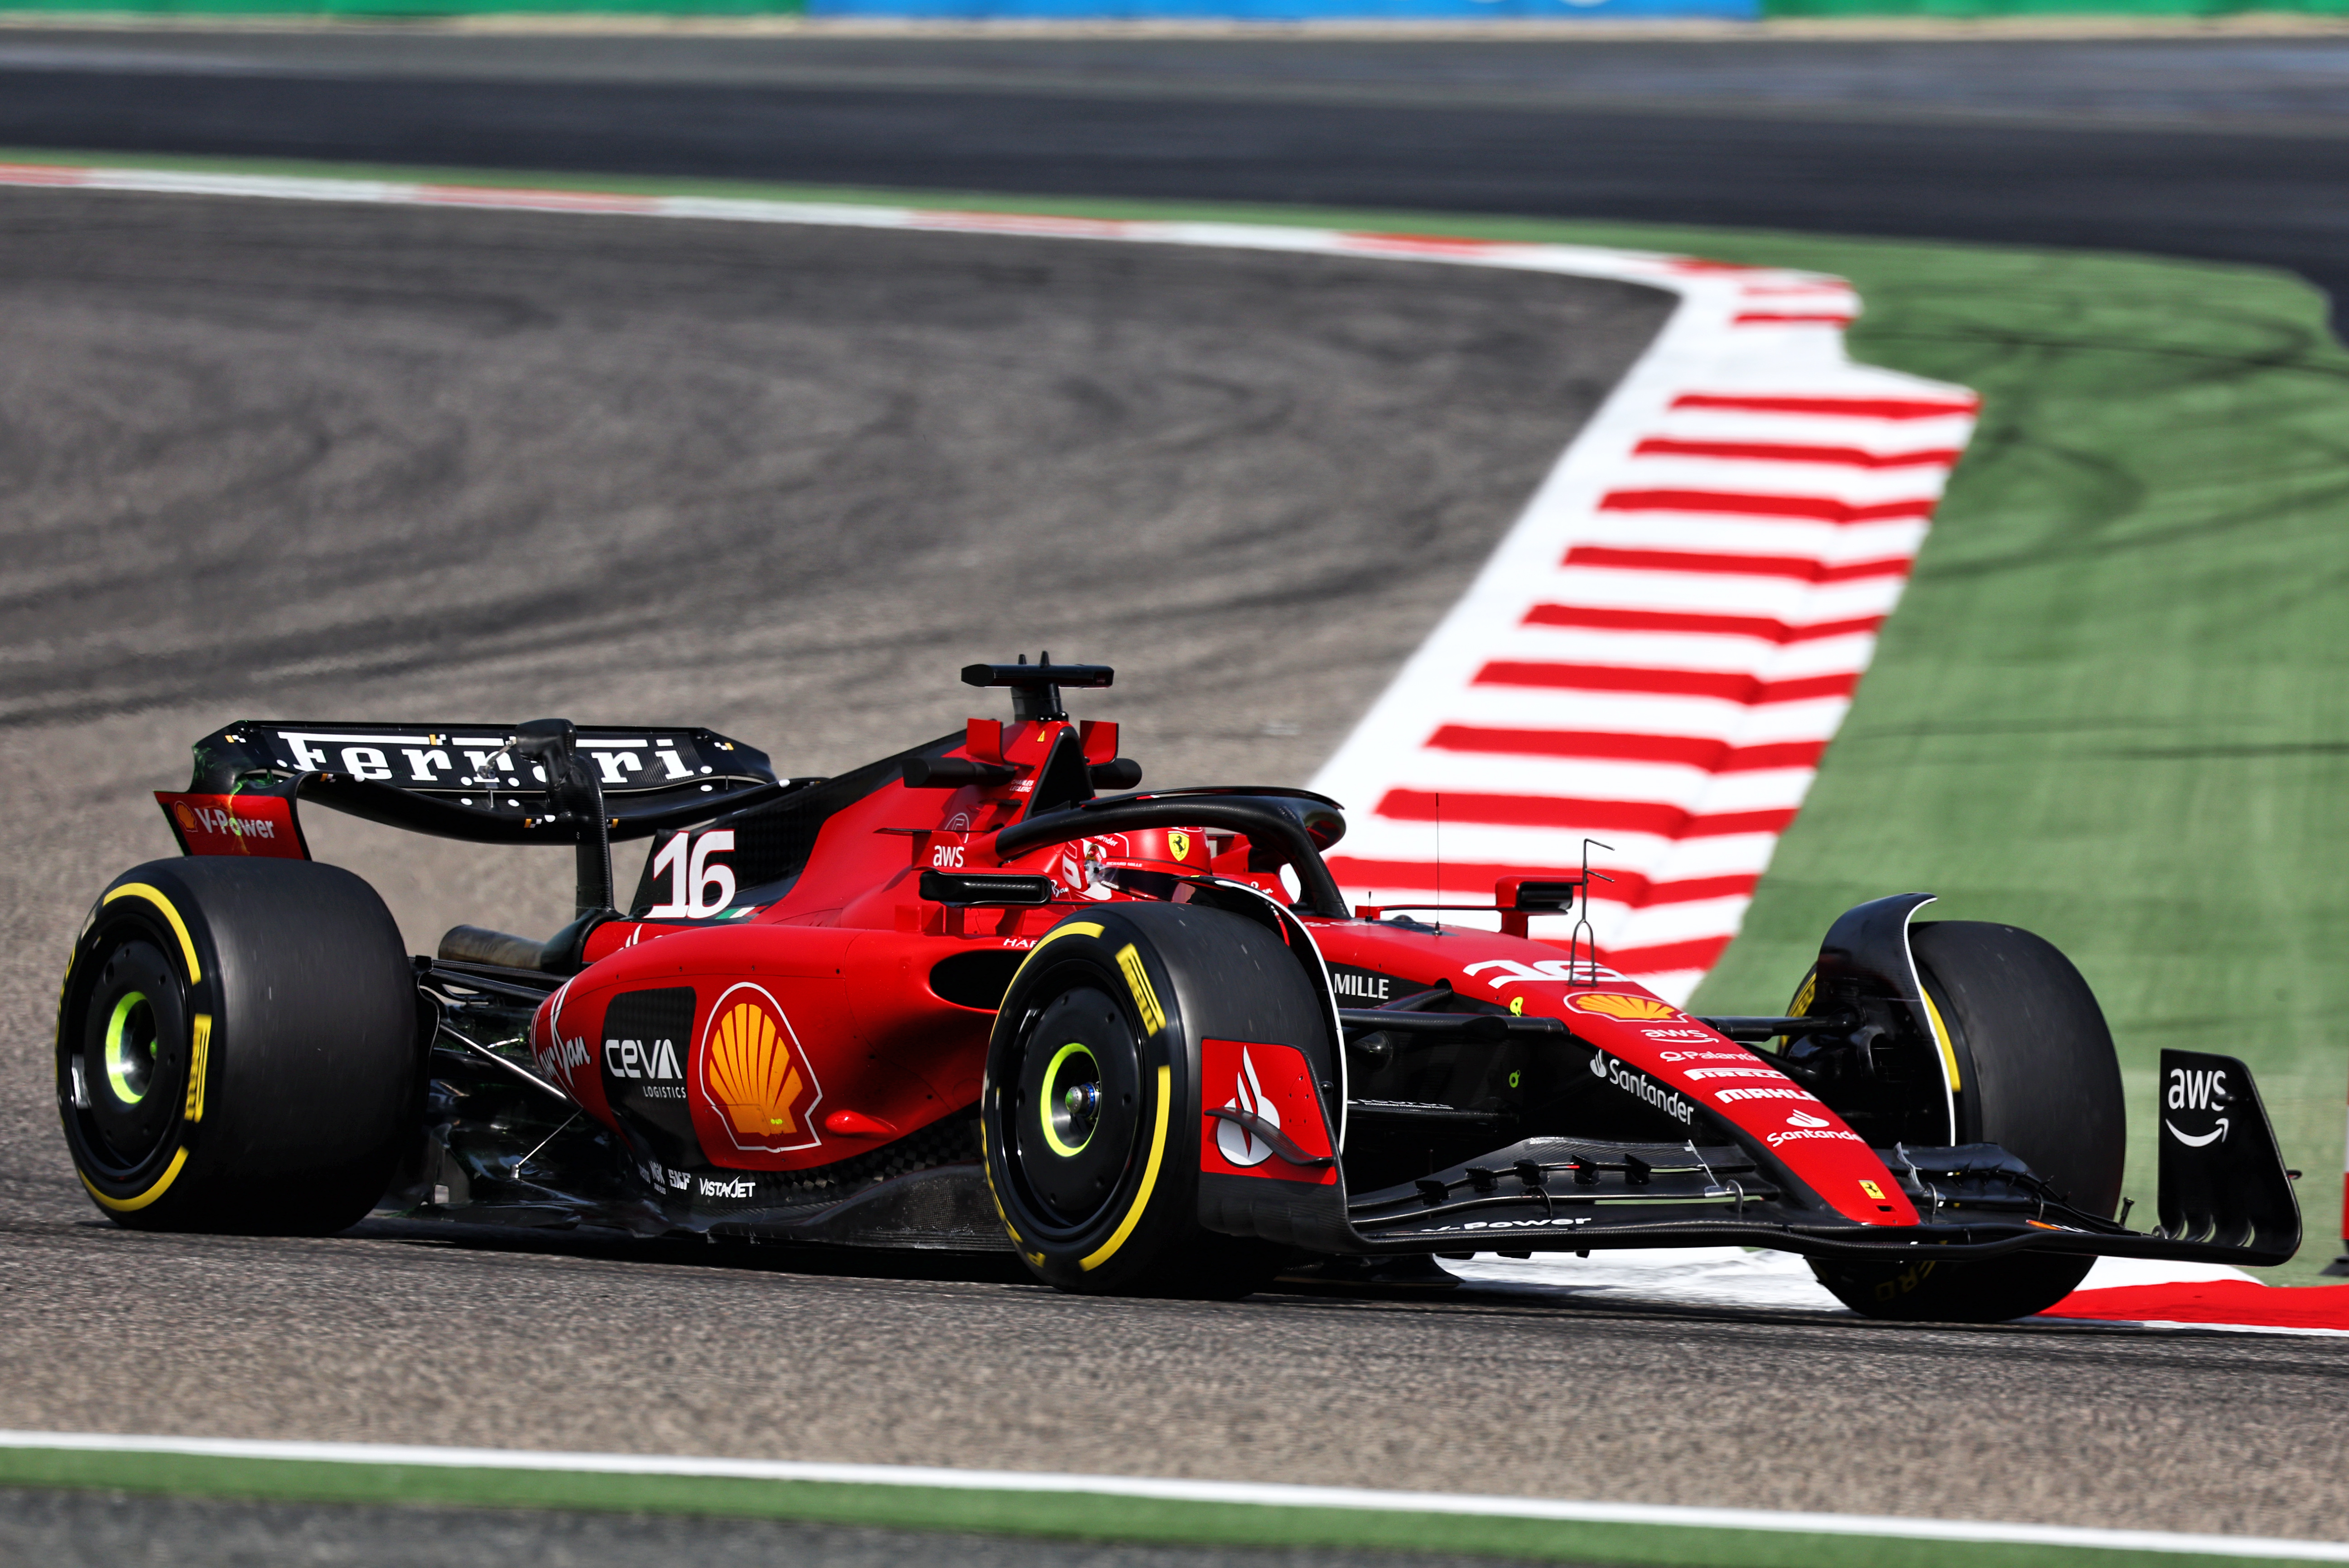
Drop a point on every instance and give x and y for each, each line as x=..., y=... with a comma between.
x=2100, y=711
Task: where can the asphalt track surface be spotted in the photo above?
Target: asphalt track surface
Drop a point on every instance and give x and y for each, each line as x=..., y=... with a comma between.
x=262, y=458
x=346, y=463
x=2229, y=149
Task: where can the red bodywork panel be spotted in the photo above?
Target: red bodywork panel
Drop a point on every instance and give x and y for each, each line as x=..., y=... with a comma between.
x=1651, y=1051
x=258, y=825
x=800, y=1033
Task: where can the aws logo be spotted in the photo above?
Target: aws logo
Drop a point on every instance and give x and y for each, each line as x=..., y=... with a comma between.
x=755, y=1075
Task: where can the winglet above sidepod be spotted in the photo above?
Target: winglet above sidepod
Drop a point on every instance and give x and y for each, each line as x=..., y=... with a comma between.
x=2222, y=1175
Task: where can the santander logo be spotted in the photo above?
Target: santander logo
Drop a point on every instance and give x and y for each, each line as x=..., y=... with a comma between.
x=1234, y=1142
x=1805, y=1119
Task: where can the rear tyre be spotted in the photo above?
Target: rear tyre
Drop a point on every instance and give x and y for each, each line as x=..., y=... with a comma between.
x=237, y=1047
x=1090, y=1107
x=2039, y=1077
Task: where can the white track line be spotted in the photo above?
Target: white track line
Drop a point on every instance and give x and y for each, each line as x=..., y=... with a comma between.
x=1253, y=1493
x=1744, y=487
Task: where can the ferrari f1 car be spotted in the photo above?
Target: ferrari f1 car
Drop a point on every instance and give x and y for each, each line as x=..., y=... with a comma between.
x=963, y=998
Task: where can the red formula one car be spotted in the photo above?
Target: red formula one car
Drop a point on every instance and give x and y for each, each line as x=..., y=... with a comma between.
x=962, y=998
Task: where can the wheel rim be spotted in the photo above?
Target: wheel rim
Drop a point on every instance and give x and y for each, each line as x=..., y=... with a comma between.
x=1077, y=1109
x=130, y=1074
x=1069, y=1109
x=130, y=1048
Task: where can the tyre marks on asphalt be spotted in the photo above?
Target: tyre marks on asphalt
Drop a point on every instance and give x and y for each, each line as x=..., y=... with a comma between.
x=1660, y=650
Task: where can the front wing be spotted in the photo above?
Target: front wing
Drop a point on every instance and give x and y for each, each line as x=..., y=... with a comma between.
x=2225, y=1196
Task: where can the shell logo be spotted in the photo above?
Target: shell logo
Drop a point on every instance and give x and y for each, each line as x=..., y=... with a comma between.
x=755, y=1077
x=187, y=817
x=1631, y=1009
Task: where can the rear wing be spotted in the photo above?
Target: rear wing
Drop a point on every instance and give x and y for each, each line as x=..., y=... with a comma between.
x=466, y=782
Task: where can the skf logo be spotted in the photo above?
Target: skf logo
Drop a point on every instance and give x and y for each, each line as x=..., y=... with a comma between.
x=756, y=1077
x=1631, y=1009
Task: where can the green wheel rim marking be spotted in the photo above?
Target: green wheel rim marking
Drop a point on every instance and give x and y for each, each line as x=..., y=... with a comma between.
x=119, y=1064
x=1045, y=1102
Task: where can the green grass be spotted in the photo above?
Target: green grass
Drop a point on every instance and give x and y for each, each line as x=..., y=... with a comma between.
x=2111, y=706
x=2114, y=707
x=1040, y=1514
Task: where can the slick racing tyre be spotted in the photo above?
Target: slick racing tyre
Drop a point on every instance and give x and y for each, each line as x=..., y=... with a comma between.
x=237, y=1047
x=2038, y=1078
x=1090, y=1111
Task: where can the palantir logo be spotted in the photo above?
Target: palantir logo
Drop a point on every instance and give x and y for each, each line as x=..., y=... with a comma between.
x=1234, y=1142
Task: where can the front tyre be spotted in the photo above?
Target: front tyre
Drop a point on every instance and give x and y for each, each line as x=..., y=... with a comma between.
x=237, y=1047
x=1090, y=1107
x=2040, y=1078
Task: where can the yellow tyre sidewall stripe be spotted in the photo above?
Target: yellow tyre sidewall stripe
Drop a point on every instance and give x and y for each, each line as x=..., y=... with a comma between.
x=1151, y=1168
x=1149, y=1179
x=179, y=926
x=1941, y=1039
x=163, y=1185
x=1067, y=929
x=199, y=1054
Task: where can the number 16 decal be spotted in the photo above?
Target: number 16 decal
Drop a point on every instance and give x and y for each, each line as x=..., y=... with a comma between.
x=697, y=888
